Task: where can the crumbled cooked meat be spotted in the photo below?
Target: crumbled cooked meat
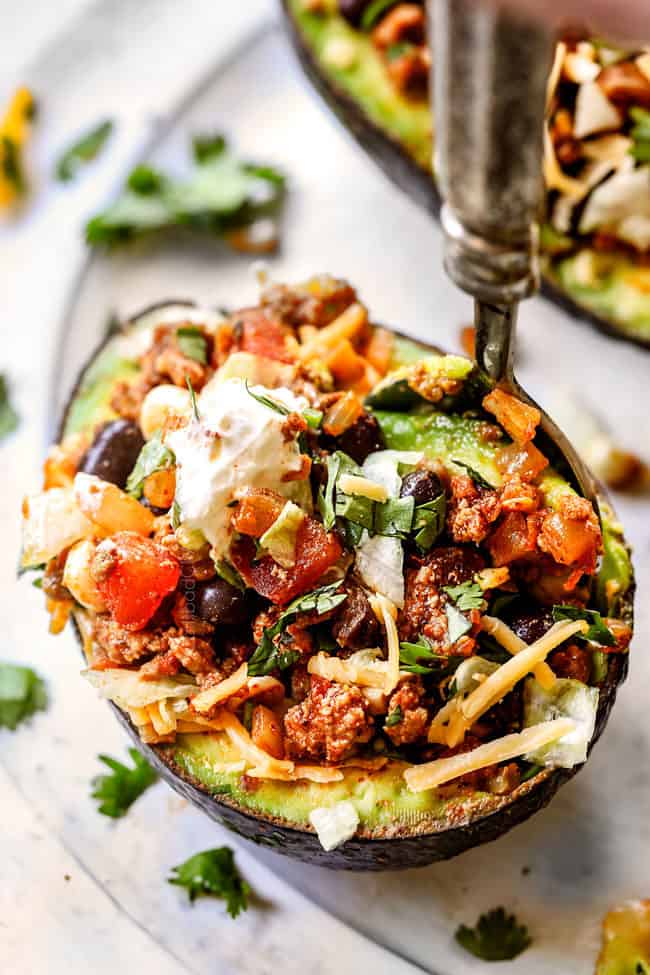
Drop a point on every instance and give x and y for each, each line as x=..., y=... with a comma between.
x=163, y=362
x=162, y=665
x=316, y=303
x=571, y=661
x=300, y=681
x=424, y=603
x=355, y=626
x=293, y=426
x=185, y=618
x=329, y=723
x=414, y=717
x=471, y=510
x=123, y=646
x=430, y=386
x=196, y=564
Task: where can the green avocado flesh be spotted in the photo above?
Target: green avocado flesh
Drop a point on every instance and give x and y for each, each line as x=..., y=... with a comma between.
x=384, y=805
x=614, y=297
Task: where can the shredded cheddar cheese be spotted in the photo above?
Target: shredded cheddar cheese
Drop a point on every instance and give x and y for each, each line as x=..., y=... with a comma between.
x=205, y=700
x=514, y=645
x=363, y=486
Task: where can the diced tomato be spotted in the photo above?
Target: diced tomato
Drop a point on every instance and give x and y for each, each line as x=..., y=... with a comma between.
x=514, y=538
x=262, y=335
x=256, y=512
x=134, y=575
x=316, y=551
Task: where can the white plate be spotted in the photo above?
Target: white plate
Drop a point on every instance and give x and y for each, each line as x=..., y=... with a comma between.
x=562, y=869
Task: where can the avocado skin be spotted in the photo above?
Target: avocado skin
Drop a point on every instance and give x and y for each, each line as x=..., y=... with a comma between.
x=408, y=846
x=410, y=177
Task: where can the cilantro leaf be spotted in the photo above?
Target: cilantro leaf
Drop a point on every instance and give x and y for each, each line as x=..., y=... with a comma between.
x=213, y=873
x=313, y=418
x=411, y=653
x=496, y=937
x=22, y=693
x=394, y=717
x=598, y=631
x=268, y=655
x=337, y=464
x=271, y=404
x=640, y=134
x=457, y=624
x=219, y=195
x=429, y=521
x=478, y=479
x=192, y=343
x=8, y=416
x=229, y=574
x=468, y=595
x=84, y=150
x=394, y=517
x=119, y=790
x=154, y=456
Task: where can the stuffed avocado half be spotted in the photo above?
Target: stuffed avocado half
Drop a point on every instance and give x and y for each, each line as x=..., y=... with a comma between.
x=330, y=579
x=370, y=61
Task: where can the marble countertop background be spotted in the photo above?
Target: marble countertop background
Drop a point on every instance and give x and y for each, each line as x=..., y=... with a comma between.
x=79, y=892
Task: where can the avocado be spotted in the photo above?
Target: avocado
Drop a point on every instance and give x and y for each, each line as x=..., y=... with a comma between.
x=398, y=829
x=397, y=134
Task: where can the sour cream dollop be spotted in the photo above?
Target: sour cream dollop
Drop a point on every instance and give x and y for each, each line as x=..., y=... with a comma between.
x=238, y=443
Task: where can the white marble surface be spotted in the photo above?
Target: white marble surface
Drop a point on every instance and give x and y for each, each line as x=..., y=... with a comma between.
x=588, y=849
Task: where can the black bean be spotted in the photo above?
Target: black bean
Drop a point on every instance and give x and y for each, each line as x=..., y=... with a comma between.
x=220, y=603
x=353, y=10
x=530, y=622
x=362, y=438
x=113, y=452
x=422, y=485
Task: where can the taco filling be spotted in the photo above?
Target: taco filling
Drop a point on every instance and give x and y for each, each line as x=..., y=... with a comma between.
x=304, y=551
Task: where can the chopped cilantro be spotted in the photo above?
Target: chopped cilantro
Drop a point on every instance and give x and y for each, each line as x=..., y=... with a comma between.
x=268, y=401
x=478, y=479
x=598, y=631
x=337, y=464
x=192, y=343
x=457, y=624
x=468, y=595
x=313, y=418
x=355, y=509
x=145, y=181
x=395, y=717
x=640, y=134
x=213, y=873
x=176, y=515
x=411, y=653
x=374, y=11
x=429, y=521
x=84, y=150
x=154, y=456
x=230, y=575
x=8, y=416
x=22, y=693
x=394, y=517
x=206, y=147
x=118, y=791
x=268, y=655
x=195, y=409
x=496, y=937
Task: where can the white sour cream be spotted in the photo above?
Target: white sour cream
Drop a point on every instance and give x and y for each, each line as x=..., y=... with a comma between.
x=236, y=444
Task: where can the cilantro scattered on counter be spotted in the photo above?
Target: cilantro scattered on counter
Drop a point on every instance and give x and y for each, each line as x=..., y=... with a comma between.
x=118, y=790
x=153, y=457
x=598, y=631
x=468, y=595
x=457, y=624
x=497, y=936
x=22, y=693
x=478, y=479
x=192, y=343
x=220, y=194
x=640, y=134
x=395, y=717
x=84, y=150
x=268, y=655
x=213, y=873
x=8, y=416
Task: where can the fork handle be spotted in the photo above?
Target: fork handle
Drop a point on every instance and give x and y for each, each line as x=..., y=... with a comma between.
x=489, y=94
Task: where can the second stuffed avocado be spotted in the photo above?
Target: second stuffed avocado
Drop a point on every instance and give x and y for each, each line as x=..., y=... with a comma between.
x=370, y=61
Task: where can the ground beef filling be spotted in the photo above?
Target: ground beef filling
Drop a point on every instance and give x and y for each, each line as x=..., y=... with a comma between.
x=424, y=603
x=405, y=703
x=329, y=724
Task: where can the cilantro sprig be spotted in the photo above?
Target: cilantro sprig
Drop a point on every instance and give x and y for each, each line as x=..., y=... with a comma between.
x=22, y=693
x=467, y=596
x=497, y=936
x=192, y=343
x=421, y=658
x=213, y=873
x=478, y=478
x=598, y=631
x=268, y=655
x=84, y=150
x=117, y=791
x=396, y=716
x=153, y=457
